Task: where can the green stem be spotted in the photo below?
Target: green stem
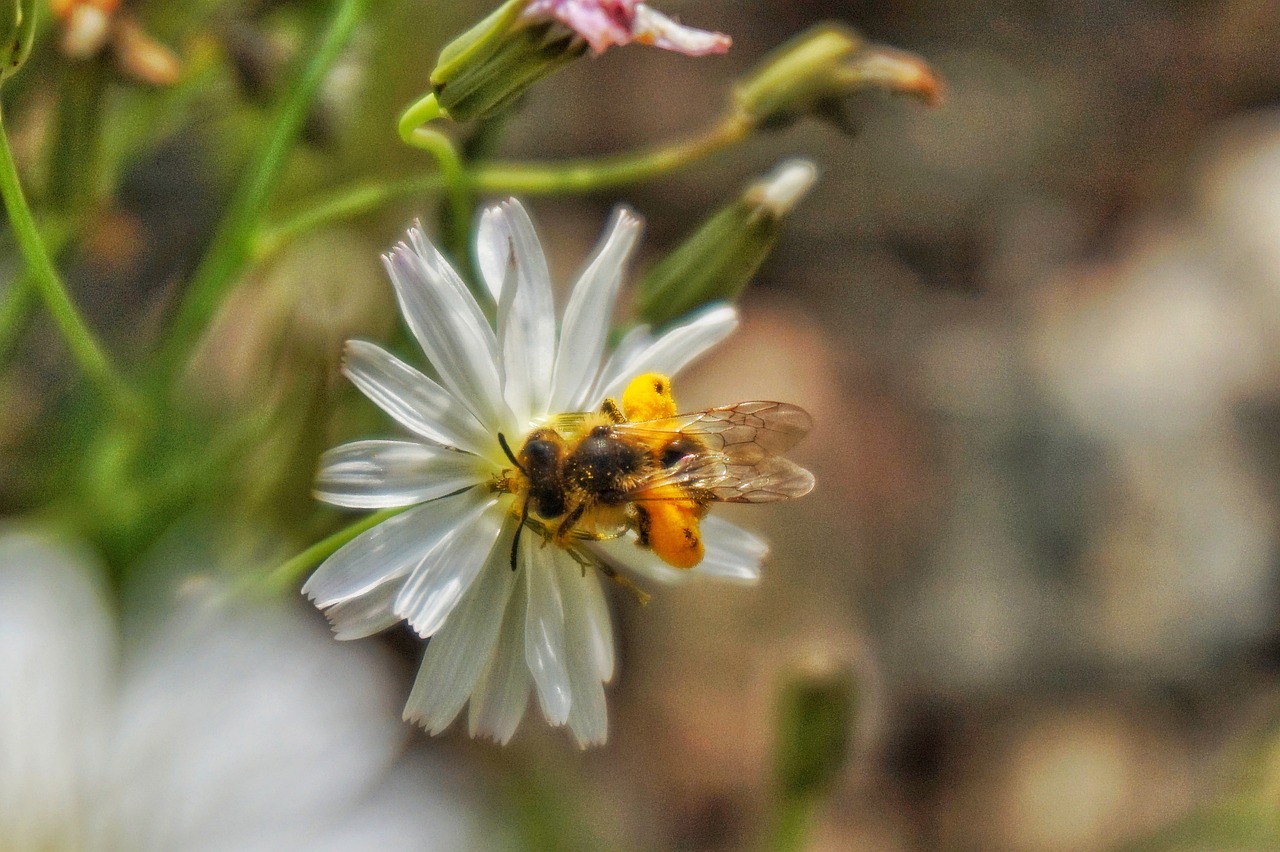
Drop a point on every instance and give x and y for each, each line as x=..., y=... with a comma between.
x=84, y=347
x=590, y=175
x=340, y=206
x=231, y=247
x=414, y=132
x=289, y=573
x=15, y=310
x=17, y=302
x=792, y=820
x=586, y=175
x=75, y=158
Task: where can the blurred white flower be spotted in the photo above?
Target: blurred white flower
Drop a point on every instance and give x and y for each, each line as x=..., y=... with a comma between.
x=444, y=566
x=216, y=731
x=604, y=23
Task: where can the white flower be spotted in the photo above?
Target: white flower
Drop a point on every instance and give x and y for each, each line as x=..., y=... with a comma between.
x=444, y=565
x=221, y=730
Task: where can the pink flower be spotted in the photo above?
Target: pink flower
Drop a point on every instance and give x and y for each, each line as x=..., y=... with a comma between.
x=602, y=23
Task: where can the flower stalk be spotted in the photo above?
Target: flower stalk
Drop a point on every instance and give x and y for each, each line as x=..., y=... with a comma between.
x=231, y=248
x=496, y=178
x=84, y=346
x=288, y=574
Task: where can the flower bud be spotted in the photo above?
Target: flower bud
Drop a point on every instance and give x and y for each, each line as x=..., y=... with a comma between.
x=720, y=258
x=816, y=715
x=489, y=66
x=17, y=28
x=814, y=73
x=86, y=25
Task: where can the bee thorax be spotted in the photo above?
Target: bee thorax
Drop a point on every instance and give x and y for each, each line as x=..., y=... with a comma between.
x=604, y=466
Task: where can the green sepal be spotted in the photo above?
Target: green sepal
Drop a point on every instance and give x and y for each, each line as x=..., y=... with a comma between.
x=723, y=254
x=484, y=70
x=19, y=26
x=815, y=72
x=714, y=264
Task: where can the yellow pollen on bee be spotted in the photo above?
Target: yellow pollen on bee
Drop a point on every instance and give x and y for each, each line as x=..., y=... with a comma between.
x=674, y=531
x=648, y=397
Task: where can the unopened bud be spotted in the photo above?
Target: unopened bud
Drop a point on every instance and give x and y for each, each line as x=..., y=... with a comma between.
x=817, y=709
x=723, y=254
x=489, y=66
x=814, y=73
x=17, y=28
x=86, y=25
x=143, y=58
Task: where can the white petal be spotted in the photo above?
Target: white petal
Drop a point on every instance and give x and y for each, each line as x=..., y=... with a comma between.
x=782, y=188
x=459, y=653
x=57, y=667
x=449, y=326
x=526, y=316
x=415, y=401
x=587, y=316
x=499, y=702
x=386, y=474
x=600, y=627
x=388, y=550
x=732, y=554
x=654, y=28
x=238, y=726
x=588, y=718
x=674, y=350
x=493, y=251
x=435, y=585
x=634, y=342
x=624, y=553
x=366, y=615
x=544, y=632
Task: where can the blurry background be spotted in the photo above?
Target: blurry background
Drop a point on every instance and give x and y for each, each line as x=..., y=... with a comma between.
x=1037, y=328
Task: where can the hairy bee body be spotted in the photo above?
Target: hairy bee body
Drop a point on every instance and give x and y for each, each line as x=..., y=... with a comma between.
x=641, y=467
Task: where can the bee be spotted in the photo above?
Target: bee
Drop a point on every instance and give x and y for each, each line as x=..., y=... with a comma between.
x=638, y=465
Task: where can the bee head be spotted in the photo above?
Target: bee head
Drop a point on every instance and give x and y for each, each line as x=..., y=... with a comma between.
x=541, y=453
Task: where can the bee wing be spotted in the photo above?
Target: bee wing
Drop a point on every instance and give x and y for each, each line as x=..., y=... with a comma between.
x=769, y=480
x=715, y=476
x=744, y=433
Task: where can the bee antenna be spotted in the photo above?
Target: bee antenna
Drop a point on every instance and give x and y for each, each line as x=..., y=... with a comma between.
x=506, y=448
x=524, y=517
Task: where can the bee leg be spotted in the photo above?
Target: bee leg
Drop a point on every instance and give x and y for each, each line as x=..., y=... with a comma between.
x=643, y=523
x=566, y=526
x=624, y=581
x=610, y=409
x=515, y=542
x=584, y=561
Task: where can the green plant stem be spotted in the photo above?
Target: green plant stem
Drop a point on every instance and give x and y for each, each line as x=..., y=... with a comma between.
x=792, y=818
x=17, y=302
x=15, y=309
x=84, y=347
x=590, y=175
x=289, y=573
x=345, y=204
x=585, y=175
x=231, y=248
x=75, y=158
x=414, y=132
